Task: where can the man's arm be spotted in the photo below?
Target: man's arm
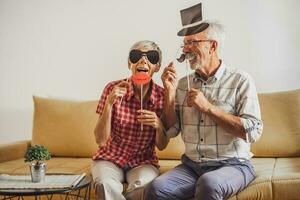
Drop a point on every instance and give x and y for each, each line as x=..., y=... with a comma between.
x=232, y=124
x=246, y=125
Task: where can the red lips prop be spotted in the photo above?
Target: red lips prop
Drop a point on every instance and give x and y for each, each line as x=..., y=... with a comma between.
x=141, y=78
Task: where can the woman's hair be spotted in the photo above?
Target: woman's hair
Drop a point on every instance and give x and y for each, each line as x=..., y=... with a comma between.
x=148, y=45
x=216, y=31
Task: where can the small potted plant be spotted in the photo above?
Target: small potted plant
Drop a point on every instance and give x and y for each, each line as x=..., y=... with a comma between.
x=36, y=155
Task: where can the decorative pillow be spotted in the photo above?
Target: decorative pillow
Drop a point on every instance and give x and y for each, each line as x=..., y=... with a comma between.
x=66, y=128
x=281, y=118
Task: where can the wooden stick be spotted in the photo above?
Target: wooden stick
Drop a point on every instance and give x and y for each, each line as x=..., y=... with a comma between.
x=142, y=102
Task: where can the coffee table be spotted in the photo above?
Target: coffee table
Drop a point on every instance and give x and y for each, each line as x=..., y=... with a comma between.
x=81, y=191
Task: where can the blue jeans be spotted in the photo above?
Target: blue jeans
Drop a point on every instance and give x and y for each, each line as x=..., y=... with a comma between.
x=211, y=180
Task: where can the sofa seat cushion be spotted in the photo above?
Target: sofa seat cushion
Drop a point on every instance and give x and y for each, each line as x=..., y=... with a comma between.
x=55, y=165
x=166, y=165
x=286, y=178
x=260, y=188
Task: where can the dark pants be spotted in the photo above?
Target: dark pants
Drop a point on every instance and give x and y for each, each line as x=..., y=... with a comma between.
x=209, y=180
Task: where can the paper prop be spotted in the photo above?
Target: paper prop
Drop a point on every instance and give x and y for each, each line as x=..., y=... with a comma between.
x=141, y=78
x=185, y=57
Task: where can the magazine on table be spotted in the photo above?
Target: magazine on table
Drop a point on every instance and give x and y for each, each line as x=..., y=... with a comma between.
x=51, y=181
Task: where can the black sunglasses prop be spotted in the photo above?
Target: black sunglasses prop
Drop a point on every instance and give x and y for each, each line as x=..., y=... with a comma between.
x=136, y=55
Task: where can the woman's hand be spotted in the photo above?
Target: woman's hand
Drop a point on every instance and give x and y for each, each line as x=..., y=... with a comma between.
x=119, y=90
x=149, y=118
x=169, y=78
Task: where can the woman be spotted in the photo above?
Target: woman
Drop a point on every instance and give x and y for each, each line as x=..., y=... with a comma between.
x=126, y=150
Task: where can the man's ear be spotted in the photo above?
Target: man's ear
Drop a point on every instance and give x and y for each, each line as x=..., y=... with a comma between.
x=214, y=46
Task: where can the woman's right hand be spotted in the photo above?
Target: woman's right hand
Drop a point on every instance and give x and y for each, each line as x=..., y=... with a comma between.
x=169, y=78
x=119, y=90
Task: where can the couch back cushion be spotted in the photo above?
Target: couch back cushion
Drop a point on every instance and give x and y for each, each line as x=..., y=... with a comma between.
x=281, y=119
x=65, y=127
x=174, y=150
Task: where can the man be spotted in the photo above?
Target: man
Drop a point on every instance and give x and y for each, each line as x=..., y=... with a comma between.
x=218, y=118
x=127, y=149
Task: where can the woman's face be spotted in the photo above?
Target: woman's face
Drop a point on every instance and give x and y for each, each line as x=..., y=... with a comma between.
x=144, y=60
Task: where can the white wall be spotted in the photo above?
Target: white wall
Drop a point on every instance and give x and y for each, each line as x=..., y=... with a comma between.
x=72, y=48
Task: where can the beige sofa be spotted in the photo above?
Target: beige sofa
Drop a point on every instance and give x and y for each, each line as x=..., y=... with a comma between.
x=66, y=129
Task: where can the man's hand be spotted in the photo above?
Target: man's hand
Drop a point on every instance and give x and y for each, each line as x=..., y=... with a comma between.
x=149, y=118
x=119, y=90
x=169, y=78
x=195, y=98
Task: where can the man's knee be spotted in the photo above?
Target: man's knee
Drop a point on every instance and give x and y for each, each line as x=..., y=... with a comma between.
x=208, y=188
x=156, y=190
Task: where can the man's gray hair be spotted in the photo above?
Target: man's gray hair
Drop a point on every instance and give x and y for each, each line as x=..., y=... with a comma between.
x=148, y=45
x=216, y=31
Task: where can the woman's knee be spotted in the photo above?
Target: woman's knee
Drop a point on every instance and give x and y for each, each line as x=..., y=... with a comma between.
x=108, y=184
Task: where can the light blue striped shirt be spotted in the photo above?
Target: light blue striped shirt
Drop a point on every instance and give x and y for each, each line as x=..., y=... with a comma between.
x=231, y=90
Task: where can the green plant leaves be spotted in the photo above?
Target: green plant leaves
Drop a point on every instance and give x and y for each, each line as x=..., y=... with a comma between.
x=37, y=153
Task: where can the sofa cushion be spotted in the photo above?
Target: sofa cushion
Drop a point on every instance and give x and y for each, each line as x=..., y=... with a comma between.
x=65, y=127
x=281, y=133
x=286, y=178
x=166, y=165
x=174, y=150
x=261, y=187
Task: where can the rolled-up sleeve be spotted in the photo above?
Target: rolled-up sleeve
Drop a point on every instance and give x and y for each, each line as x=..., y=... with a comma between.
x=248, y=110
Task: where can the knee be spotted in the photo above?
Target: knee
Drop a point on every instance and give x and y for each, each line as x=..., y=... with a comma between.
x=208, y=188
x=156, y=190
x=103, y=185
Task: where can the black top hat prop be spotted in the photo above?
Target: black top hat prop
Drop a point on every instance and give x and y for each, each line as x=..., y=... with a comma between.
x=191, y=19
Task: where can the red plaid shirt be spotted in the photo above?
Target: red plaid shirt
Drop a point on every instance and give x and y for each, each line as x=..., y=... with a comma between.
x=127, y=144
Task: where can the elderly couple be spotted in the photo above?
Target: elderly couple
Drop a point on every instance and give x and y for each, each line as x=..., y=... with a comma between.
x=217, y=112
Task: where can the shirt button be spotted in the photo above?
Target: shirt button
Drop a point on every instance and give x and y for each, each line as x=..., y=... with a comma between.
x=202, y=121
x=204, y=83
x=202, y=156
x=201, y=139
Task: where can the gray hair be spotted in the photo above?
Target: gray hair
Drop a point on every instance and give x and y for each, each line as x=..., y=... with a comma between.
x=216, y=31
x=148, y=45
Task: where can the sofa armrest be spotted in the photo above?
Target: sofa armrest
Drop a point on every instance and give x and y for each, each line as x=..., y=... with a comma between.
x=13, y=151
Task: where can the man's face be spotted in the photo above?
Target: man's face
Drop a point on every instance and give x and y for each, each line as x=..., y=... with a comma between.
x=199, y=46
x=143, y=64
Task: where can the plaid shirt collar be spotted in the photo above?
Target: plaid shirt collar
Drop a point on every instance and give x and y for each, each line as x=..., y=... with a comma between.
x=154, y=92
x=213, y=78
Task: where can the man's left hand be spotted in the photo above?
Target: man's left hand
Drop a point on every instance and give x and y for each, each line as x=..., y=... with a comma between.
x=196, y=98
